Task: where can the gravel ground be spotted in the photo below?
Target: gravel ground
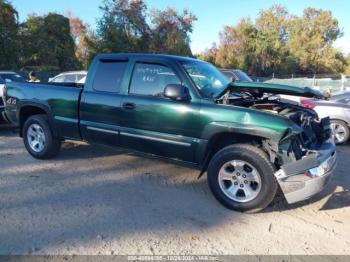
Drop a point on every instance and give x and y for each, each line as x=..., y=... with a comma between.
x=97, y=200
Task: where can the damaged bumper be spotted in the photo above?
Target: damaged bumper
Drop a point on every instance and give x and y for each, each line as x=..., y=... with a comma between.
x=308, y=176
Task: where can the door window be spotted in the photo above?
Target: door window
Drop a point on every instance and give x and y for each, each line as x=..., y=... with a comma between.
x=109, y=76
x=151, y=79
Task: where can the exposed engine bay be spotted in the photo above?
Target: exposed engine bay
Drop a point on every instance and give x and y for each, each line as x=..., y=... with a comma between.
x=315, y=130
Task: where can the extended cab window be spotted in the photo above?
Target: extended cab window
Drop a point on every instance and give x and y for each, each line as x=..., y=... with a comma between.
x=151, y=79
x=109, y=75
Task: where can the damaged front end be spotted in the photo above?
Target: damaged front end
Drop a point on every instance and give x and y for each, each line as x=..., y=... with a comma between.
x=305, y=154
x=308, y=159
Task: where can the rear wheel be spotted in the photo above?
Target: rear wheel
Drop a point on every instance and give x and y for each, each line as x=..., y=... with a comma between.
x=340, y=131
x=38, y=138
x=242, y=178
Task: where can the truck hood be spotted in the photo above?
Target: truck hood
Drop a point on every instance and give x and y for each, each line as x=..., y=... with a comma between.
x=261, y=88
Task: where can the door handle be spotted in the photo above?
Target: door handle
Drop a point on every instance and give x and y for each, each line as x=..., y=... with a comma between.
x=129, y=106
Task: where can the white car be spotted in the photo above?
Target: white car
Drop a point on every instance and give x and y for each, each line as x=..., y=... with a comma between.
x=82, y=81
x=337, y=108
x=69, y=77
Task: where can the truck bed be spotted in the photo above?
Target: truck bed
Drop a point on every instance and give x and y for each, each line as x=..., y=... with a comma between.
x=60, y=100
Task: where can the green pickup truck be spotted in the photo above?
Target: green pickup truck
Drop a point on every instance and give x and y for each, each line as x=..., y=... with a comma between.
x=240, y=133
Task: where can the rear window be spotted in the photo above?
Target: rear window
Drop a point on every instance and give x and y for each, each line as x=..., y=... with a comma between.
x=109, y=75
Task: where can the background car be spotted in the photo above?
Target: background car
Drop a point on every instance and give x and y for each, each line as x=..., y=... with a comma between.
x=338, y=109
x=69, y=77
x=6, y=77
x=236, y=75
x=82, y=81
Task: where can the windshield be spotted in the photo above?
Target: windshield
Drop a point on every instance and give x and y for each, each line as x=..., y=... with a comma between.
x=209, y=80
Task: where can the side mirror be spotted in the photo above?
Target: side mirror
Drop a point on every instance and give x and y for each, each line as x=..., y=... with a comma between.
x=177, y=92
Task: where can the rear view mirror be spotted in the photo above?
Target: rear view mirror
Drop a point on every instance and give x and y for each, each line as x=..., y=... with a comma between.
x=177, y=92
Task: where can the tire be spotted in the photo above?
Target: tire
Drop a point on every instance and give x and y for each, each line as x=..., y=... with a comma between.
x=39, y=125
x=342, y=129
x=255, y=165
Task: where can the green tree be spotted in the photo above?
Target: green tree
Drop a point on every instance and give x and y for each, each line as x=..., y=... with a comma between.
x=8, y=36
x=84, y=39
x=270, y=41
x=237, y=45
x=46, y=43
x=123, y=27
x=347, y=64
x=171, y=31
x=281, y=43
x=260, y=47
x=126, y=26
x=209, y=55
x=310, y=41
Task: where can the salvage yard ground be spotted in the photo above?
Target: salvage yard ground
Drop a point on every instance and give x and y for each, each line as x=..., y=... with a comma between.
x=97, y=200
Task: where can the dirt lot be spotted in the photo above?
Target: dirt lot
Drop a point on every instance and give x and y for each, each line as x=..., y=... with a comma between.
x=96, y=200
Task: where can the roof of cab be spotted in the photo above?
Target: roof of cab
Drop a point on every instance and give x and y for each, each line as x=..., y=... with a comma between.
x=145, y=55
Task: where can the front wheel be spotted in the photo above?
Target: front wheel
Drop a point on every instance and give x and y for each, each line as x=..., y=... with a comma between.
x=242, y=178
x=39, y=139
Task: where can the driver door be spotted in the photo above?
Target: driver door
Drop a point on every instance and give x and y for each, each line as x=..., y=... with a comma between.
x=155, y=124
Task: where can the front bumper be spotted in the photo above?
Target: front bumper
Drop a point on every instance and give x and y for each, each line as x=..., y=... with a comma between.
x=308, y=176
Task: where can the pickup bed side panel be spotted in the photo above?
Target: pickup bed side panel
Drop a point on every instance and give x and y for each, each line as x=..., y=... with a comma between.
x=60, y=103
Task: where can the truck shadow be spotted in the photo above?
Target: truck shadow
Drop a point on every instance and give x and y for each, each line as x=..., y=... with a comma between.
x=123, y=198
x=7, y=129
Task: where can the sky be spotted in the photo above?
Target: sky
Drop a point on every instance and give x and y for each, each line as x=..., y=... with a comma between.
x=212, y=15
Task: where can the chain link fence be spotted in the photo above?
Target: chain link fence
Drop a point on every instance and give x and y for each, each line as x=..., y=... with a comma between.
x=334, y=83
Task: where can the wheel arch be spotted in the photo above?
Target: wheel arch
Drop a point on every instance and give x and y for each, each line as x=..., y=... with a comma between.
x=225, y=138
x=341, y=119
x=30, y=109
